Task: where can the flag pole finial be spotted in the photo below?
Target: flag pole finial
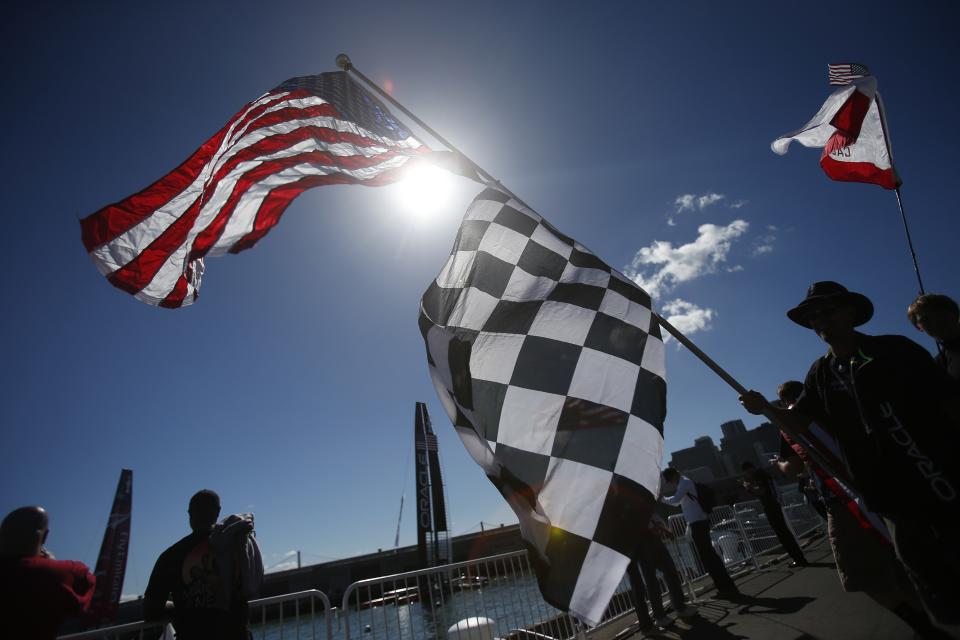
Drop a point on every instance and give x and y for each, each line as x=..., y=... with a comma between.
x=343, y=61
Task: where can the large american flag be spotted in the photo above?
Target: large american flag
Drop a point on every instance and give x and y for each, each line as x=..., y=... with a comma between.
x=844, y=73
x=308, y=131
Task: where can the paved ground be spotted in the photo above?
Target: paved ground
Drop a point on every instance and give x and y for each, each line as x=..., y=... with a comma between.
x=781, y=603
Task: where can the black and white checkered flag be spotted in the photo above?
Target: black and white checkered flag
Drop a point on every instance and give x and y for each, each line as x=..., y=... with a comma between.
x=551, y=368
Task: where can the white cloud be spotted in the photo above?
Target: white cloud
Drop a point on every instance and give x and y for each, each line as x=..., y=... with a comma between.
x=661, y=266
x=738, y=204
x=691, y=202
x=687, y=317
x=764, y=243
x=671, y=222
x=685, y=202
x=708, y=199
x=735, y=268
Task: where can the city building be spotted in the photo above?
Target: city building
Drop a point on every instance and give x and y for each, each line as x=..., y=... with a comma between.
x=701, y=460
x=758, y=445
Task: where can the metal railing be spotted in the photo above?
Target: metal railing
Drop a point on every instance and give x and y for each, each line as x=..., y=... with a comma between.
x=740, y=534
x=294, y=616
x=501, y=588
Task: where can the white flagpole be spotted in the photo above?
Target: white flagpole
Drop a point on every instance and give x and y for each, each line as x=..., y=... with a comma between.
x=343, y=61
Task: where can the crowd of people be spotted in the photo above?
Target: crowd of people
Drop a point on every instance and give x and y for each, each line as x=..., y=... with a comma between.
x=201, y=584
x=873, y=430
x=870, y=435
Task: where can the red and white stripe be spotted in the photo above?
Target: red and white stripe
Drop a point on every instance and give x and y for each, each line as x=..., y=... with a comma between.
x=851, y=131
x=231, y=192
x=816, y=438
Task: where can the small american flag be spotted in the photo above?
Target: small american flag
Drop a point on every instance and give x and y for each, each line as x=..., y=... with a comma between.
x=846, y=72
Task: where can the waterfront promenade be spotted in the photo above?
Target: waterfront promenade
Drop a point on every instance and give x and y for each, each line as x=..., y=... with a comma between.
x=781, y=603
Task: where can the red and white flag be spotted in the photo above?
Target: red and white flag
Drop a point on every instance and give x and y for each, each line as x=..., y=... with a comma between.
x=851, y=130
x=112, y=561
x=814, y=437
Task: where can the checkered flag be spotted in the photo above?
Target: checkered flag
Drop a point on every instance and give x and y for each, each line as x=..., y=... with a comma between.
x=551, y=368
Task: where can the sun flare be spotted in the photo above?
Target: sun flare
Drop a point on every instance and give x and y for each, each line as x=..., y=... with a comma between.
x=425, y=191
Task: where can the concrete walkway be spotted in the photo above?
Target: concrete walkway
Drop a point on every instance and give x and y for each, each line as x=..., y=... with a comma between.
x=781, y=603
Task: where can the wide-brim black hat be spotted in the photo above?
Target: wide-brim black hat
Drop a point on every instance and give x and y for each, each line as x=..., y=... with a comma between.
x=828, y=292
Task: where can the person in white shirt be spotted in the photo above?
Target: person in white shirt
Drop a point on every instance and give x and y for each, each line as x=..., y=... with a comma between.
x=685, y=495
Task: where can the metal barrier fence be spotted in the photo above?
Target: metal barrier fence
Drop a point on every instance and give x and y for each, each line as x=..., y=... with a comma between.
x=502, y=588
x=296, y=616
x=740, y=534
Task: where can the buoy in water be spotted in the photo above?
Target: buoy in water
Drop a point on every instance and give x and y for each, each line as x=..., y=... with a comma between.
x=473, y=629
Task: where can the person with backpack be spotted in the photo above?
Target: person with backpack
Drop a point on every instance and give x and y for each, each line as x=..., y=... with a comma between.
x=688, y=497
x=210, y=575
x=759, y=484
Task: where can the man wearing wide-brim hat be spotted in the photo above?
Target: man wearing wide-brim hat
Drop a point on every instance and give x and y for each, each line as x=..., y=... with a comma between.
x=896, y=417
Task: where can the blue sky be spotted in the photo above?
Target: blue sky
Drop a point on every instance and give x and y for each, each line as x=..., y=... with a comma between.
x=290, y=386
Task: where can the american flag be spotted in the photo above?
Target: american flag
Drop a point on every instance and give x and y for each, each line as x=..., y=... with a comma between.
x=308, y=131
x=844, y=73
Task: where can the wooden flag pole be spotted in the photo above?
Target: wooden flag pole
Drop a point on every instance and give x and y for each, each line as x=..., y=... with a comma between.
x=343, y=61
x=769, y=414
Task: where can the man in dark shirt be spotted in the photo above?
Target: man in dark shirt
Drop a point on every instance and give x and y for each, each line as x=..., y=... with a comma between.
x=37, y=592
x=896, y=417
x=939, y=317
x=759, y=484
x=208, y=601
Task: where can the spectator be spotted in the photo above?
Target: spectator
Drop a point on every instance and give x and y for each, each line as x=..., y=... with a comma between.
x=860, y=543
x=37, y=592
x=639, y=597
x=685, y=495
x=652, y=555
x=209, y=574
x=939, y=317
x=759, y=484
x=896, y=420
x=809, y=487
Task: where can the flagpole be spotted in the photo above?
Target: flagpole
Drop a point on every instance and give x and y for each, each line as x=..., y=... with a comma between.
x=906, y=229
x=903, y=216
x=740, y=389
x=343, y=61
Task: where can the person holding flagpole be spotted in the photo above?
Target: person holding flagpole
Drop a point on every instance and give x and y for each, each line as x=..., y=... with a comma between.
x=861, y=545
x=896, y=417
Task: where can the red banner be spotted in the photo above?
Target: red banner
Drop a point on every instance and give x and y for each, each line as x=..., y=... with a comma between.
x=112, y=561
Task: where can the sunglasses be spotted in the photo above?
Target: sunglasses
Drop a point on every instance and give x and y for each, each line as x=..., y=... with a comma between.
x=822, y=311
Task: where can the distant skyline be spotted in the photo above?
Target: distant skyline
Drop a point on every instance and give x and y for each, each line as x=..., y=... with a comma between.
x=640, y=129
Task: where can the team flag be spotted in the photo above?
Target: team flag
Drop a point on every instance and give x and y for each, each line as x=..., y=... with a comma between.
x=112, y=560
x=308, y=131
x=814, y=438
x=851, y=130
x=550, y=365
